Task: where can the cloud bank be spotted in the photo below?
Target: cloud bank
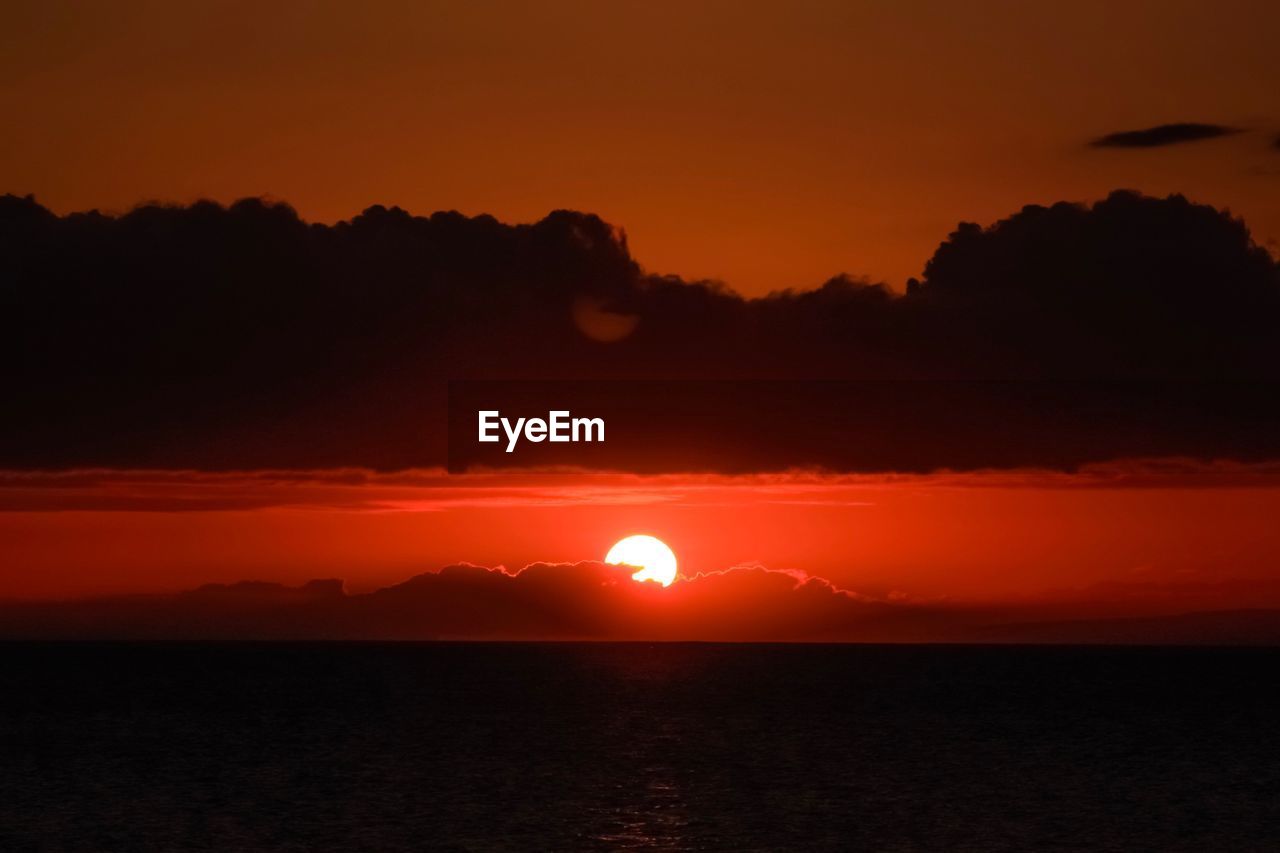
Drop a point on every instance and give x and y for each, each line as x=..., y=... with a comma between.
x=435, y=490
x=595, y=601
x=542, y=601
x=242, y=337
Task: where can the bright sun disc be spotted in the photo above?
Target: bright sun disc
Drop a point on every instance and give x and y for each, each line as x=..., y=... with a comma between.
x=655, y=560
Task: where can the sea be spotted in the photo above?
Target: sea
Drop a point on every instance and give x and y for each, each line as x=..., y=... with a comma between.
x=636, y=746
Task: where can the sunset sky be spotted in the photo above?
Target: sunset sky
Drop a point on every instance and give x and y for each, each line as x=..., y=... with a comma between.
x=767, y=145
x=240, y=369
x=1113, y=539
x=639, y=424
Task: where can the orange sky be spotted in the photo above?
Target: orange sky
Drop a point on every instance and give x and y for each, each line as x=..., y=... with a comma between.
x=769, y=145
x=994, y=537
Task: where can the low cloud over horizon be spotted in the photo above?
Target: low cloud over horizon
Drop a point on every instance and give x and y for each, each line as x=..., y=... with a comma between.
x=596, y=601
x=582, y=600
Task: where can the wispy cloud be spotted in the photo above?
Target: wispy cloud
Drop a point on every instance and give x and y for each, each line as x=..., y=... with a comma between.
x=434, y=490
x=1163, y=134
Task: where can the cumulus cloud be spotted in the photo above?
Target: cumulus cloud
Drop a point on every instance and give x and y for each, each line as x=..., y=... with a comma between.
x=595, y=601
x=541, y=601
x=243, y=337
x=1162, y=135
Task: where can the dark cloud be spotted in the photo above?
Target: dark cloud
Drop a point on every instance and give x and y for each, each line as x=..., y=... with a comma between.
x=542, y=601
x=1164, y=134
x=595, y=601
x=354, y=490
x=242, y=337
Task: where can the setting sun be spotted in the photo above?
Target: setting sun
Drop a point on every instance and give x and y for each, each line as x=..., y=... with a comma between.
x=655, y=560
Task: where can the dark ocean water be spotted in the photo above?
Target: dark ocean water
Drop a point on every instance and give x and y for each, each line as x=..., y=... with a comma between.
x=662, y=747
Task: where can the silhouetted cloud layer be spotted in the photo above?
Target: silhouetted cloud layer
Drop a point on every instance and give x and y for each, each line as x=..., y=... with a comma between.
x=1164, y=134
x=590, y=601
x=541, y=601
x=242, y=337
x=357, y=490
